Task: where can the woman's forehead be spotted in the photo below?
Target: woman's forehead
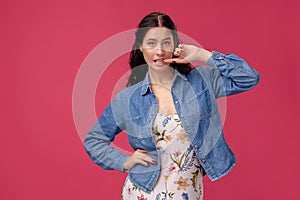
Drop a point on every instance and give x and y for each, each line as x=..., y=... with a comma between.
x=158, y=33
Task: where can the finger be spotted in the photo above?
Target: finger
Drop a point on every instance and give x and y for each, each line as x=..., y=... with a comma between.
x=145, y=158
x=149, y=159
x=145, y=161
x=178, y=51
x=142, y=162
x=181, y=46
x=152, y=161
x=175, y=60
x=141, y=151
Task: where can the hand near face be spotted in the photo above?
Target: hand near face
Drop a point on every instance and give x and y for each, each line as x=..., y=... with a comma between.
x=189, y=53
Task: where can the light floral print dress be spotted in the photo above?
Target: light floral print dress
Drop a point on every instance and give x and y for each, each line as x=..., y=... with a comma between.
x=181, y=173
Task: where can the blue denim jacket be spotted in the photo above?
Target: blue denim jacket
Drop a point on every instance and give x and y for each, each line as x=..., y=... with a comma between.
x=194, y=96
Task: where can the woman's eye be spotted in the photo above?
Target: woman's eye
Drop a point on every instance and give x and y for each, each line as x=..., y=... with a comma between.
x=167, y=43
x=151, y=44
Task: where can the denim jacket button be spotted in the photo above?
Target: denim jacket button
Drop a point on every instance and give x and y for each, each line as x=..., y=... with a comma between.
x=203, y=160
x=196, y=146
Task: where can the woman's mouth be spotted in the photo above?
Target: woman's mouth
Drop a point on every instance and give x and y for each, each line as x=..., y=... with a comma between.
x=159, y=61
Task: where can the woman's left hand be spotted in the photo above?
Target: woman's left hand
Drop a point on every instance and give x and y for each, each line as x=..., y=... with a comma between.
x=189, y=53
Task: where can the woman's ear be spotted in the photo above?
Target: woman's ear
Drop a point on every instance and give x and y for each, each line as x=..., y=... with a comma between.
x=140, y=48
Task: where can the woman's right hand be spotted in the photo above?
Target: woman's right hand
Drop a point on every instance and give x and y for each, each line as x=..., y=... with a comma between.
x=188, y=54
x=138, y=157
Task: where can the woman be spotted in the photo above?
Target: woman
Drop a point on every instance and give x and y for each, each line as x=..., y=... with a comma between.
x=170, y=115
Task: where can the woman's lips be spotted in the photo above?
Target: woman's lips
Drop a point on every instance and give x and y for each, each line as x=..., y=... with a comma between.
x=159, y=61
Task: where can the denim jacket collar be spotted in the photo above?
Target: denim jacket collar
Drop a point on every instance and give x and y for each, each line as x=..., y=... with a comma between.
x=146, y=82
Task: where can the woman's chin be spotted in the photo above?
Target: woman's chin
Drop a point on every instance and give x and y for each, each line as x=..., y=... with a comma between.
x=159, y=65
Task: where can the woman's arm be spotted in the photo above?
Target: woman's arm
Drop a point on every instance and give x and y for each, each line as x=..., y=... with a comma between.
x=229, y=74
x=98, y=142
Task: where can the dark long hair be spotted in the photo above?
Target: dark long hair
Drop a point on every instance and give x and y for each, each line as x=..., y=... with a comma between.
x=137, y=62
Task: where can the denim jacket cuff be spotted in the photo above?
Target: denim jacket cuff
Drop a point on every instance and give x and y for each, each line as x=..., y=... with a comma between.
x=214, y=57
x=121, y=163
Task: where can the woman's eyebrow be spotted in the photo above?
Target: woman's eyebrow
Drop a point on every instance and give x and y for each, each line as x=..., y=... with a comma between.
x=153, y=39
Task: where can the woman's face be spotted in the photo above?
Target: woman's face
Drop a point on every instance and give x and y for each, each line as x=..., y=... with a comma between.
x=158, y=44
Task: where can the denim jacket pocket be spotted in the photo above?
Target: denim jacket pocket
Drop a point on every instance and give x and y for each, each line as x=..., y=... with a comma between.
x=199, y=105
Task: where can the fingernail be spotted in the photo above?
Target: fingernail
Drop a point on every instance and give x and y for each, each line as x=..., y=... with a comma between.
x=173, y=61
x=154, y=161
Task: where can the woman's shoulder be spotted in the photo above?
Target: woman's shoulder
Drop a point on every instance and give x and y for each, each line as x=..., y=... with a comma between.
x=128, y=92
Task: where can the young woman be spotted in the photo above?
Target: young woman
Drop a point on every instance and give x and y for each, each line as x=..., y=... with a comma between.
x=170, y=115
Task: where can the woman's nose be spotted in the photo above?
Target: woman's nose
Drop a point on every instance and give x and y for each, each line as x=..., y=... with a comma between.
x=159, y=50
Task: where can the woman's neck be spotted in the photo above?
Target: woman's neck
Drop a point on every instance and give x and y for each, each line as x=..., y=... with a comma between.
x=162, y=76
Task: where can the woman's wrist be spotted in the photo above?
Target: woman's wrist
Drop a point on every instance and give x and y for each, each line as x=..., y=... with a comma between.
x=203, y=55
x=125, y=166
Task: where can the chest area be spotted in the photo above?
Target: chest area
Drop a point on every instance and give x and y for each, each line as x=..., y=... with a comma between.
x=164, y=99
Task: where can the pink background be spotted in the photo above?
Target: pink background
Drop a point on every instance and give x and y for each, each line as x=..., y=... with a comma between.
x=43, y=44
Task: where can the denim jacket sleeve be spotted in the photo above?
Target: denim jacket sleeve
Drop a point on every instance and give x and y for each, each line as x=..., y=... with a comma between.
x=98, y=141
x=230, y=74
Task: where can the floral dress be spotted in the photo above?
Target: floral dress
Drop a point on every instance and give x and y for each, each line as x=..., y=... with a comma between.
x=181, y=173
